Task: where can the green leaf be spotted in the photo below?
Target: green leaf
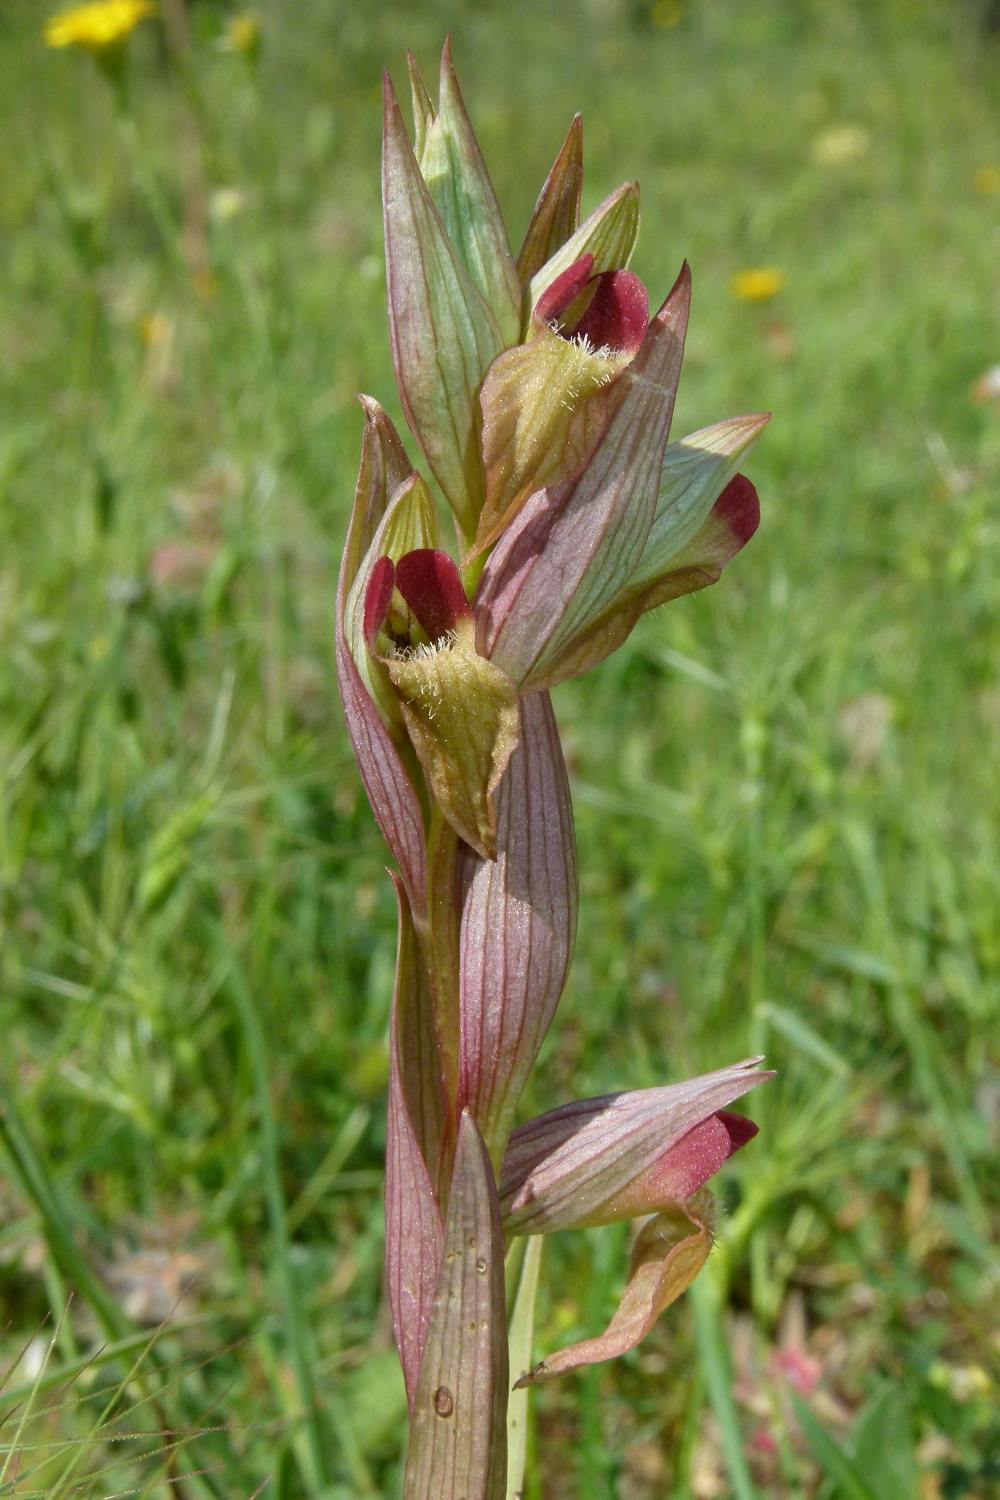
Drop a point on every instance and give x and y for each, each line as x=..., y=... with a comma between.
x=831, y=1457
x=882, y=1443
x=713, y=1356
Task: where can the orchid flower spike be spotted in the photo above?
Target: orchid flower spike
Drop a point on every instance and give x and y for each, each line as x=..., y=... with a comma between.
x=539, y=389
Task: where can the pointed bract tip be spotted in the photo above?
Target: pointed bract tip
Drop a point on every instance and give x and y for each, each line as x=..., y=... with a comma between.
x=391, y=113
x=572, y=146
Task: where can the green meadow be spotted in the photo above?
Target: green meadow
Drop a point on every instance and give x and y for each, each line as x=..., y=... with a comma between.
x=786, y=787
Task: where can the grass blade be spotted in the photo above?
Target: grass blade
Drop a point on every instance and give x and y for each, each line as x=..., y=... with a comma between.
x=521, y=1335
x=714, y=1358
x=312, y=1456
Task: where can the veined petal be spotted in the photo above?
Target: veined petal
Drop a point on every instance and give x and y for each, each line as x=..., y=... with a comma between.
x=414, y=1234
x=453, y=168
x=574, y=547
x=563, y=1169
x=731, y=523
x=557, y=210
x=681, y=1170
x=390, y=787
x=444, y=336
x=461, y=715
x=458, y=1433
x=608, y=234
x=668, y=1253
x=695, y=472
x=517, y=927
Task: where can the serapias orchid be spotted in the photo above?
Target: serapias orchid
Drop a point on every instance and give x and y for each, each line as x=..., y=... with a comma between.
x=540, y=392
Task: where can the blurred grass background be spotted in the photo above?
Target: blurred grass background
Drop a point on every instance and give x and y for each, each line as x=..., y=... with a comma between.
x=786, y=788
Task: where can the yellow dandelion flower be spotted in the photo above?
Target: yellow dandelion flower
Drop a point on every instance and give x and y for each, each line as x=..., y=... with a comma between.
x=242, y=34
x=97, y=26
x=986, y=180
x=758, y=284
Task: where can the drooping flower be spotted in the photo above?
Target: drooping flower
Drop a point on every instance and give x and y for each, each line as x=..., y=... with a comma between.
x=623, y=1156
x=97, y=26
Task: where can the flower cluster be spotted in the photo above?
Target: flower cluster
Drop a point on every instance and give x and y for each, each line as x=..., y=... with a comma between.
x=540, y=391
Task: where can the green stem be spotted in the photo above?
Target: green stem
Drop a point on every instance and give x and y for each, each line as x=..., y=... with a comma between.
x=522, y=1329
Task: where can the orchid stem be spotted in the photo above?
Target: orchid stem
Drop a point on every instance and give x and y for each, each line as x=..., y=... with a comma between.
x=522, y=1329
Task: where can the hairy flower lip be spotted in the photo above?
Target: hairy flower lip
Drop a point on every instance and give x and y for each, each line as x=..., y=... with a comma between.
x=606, y=310
x=574, y=545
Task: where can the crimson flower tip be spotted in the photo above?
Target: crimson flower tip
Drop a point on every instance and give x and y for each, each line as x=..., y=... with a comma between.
x=430, y=583
x=739, y=507
x=378, y=594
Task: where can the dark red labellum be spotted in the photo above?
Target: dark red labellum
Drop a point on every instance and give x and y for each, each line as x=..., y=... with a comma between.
x=610, y=310
x=618, y=315
x=431, y=584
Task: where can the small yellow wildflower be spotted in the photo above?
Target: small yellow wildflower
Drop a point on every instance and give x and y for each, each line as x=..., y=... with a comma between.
x=97, y=26
x=242, y=34
x=154, y=329
x=759, y=284
x=839, y=145
x=666, y=14
x=986, y=180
